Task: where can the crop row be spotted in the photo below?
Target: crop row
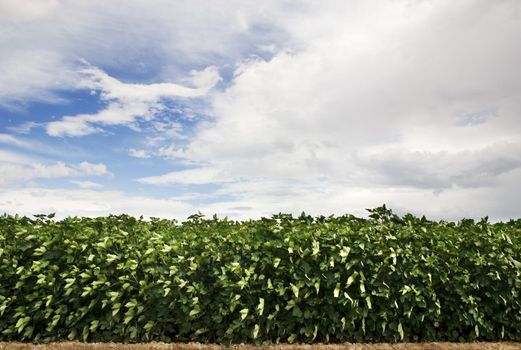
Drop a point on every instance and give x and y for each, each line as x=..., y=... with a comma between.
x=280, y=279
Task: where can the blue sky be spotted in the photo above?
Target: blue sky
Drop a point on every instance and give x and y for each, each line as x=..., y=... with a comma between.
x=245, y=109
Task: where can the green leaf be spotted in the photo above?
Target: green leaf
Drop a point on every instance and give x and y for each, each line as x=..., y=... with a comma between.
x=344, y=252
x=400, y=330
x=128, y=319
x=336, y=292
x=244, y=312
x=21, y=323
x=148, y=326
x=315, y=247
x=292, y=338
x=295, y=290
x=201, y=331
x=256, y=331
x=317, y=286
x=516, y=263
x=115, y=308
x=195, y=311
x=351, y=279
x=362, y=288
x=260, y=307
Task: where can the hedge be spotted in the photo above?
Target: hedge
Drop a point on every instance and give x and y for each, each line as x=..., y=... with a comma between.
x=279, y=279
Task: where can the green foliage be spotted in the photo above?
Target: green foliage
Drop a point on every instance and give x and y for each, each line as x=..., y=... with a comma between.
x=282, y=279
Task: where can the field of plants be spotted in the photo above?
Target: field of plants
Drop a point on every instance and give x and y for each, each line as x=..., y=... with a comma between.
x=280, y=279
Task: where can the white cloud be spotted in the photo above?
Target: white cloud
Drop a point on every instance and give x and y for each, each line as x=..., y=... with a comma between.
x=12, y=10
x=264, y=198
x=25, y=75
x=12, y=140
x=113, y=89
x=138, y=153
x=24, y=128
x=15, y=157
x=411, y=103
x=375, y=103
x=86, y=184
x=28, y=144
x=442, y=170
x=43, y=42
x=16, y=170
x=128, y=102
x=197, y=176
x=94, y=169
x=30, y=201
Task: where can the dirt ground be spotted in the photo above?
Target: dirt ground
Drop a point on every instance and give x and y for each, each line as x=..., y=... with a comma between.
x=196, y=346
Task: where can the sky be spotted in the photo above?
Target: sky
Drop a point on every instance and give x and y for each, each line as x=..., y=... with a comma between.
x=249, y=108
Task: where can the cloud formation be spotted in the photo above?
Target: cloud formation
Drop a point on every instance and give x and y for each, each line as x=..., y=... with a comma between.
x=17, y=168
x=327, y=107
x=43, y=43
x=421, y=97
x=127, y=102
x=86, y=184
x=86, y=202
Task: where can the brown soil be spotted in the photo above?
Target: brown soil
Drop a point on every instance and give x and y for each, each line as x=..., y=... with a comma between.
x=196, y=346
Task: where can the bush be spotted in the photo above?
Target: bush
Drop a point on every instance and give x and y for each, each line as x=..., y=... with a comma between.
x=282, y=279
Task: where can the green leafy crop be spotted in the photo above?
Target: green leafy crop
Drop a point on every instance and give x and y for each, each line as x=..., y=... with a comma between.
x=279, y=279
